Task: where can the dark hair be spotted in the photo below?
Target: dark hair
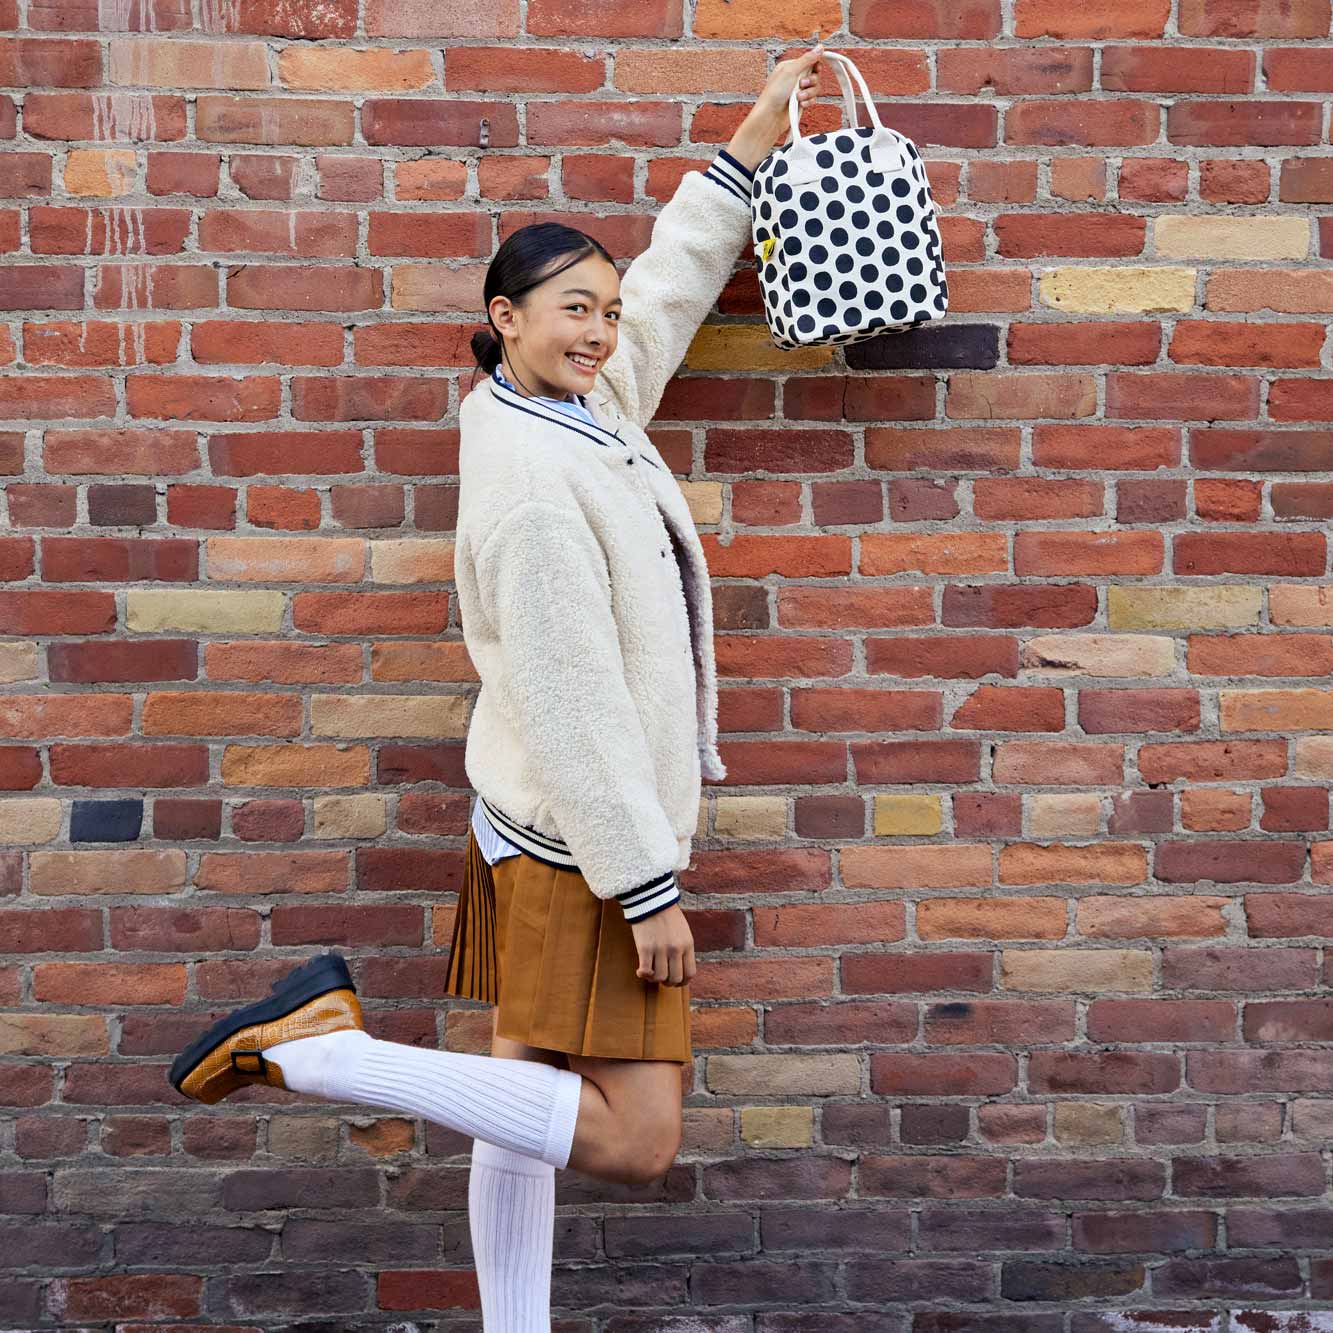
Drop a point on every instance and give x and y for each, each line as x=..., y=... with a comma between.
x=527, y=257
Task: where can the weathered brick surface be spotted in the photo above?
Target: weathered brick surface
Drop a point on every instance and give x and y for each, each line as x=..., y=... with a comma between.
x=1013, y=1012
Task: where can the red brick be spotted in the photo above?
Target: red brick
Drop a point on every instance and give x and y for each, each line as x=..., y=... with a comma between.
x=255, y=342
x=101, y=116
x=925, y=20
x=427, y=122
x=311, y=19
x=184, y=173
x=589, y=18
x=507, y=69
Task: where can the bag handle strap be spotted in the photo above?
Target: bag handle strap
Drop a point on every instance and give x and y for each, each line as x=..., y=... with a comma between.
x=849, y=98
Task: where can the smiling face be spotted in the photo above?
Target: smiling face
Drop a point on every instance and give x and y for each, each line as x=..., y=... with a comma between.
x=560, y=333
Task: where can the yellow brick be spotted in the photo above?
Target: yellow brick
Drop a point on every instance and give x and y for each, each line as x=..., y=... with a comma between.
x=427, y=560
x=19, y=661
x=1090, y=970
x=330, y=69
x=303, y=1138
x=1058, y=815
x=296, y=766
x=783, y=1075
x=1088, y=1124
x=749, y=347
x=1314, y=757
x=205, y=611
x=1300, y=603
x=778, y=1126
x=1219, y=607
x=1180, y=237
x=29, y=819
x=103, y=172
x=750, y=817
x=704, y=499
x=1118, y=291
x=1275, y=710
x=173, y=63
x=286, y=559
x=1288, y=291
x=130, y=870
x=918, y=816
x=1099, y=655
x=438, y=715
x=359, y=816
x=53, y=1036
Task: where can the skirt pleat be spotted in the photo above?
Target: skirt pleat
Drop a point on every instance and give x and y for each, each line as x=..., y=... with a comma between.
x=559, y=963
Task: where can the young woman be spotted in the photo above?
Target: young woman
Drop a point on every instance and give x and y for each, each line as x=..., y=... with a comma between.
x=586, y=610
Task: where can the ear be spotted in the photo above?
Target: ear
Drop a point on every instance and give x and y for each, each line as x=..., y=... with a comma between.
x=501, y=310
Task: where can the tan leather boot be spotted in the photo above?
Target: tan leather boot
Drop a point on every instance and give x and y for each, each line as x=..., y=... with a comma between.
x=317, y=997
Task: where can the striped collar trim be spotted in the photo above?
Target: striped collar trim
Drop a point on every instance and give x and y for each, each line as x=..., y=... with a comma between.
x=554, y=416
x=510, y=398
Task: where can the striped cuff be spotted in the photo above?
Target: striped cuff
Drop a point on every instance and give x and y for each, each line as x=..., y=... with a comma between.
x=651, y=898
x=727, y=172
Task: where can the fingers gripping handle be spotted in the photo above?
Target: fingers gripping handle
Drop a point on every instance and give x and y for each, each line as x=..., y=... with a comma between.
x=841, y=67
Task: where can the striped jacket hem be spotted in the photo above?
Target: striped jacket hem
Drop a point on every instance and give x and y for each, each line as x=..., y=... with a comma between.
x=641, y=901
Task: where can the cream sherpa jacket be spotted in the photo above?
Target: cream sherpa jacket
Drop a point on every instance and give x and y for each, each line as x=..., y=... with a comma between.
x=582, y=587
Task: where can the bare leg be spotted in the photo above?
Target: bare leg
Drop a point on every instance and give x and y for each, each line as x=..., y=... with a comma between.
x=629, y=1123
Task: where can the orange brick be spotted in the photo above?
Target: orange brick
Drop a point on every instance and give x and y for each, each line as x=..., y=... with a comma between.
x=214, y=713
x=286, y=559
x=273, y=872
x=991, y=918
x=296, y=765
x=1113, y=917
x=32, y=716
x=115, y=984
x=333, y=69
x=1107, y=863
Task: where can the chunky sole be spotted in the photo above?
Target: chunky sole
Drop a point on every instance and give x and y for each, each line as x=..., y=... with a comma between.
x=301, y=985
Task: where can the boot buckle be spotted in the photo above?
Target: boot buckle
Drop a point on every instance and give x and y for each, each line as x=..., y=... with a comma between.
x=255, y=1064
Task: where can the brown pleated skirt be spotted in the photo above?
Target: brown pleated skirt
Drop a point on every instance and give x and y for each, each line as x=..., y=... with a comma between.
x=559, y=963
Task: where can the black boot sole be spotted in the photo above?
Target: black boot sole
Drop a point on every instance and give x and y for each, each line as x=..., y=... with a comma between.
x=324, y=973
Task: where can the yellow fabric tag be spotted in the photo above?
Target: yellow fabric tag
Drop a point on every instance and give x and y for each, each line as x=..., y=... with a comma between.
x=766, y=248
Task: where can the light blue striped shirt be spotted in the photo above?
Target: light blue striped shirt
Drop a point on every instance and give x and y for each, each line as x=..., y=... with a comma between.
x=727, y=173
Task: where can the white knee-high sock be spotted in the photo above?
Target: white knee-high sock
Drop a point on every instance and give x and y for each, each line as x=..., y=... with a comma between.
x=524, y=1105
x=511, y=1215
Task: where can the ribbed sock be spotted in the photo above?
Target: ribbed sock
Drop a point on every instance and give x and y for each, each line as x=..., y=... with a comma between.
x=511, y=1215
x=526, y=1106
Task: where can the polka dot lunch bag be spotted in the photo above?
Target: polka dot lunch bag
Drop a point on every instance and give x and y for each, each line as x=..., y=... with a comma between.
x=845, y=234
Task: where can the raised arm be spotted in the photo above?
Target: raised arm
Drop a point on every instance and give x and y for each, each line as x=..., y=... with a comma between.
x=669, y=289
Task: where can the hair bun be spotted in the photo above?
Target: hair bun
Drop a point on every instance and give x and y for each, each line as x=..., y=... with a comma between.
x=486, y=348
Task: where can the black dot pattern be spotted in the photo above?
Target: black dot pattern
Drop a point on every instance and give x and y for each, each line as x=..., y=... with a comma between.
x=857, y=252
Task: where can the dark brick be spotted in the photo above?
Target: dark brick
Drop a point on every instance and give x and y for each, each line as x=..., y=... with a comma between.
x=647, y=1235
x=758, y=1282
x=945, y=1123
x=885, y=1280
x=177, y=818
x=1024, y=1280
x=977, y=1230
x=106, y=821
x=335, y=1187
x=887, y=1230
x=1141, y=1232
x=112, y=505
x=1260, y=1276
x=956, y=347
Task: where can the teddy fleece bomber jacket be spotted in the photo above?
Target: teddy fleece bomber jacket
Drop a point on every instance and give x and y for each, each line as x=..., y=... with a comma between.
x=583, y=590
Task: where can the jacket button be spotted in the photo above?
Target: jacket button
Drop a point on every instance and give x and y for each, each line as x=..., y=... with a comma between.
x=630, y=461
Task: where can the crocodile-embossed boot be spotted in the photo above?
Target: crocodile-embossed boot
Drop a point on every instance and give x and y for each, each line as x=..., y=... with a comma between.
x=317, y=997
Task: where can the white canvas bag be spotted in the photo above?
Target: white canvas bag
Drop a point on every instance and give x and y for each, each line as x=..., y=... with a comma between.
x=846, y=239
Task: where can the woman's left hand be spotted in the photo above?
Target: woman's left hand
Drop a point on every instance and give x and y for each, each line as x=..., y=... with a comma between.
x=768, y=120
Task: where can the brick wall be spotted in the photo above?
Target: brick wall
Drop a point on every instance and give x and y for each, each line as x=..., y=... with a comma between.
x=1014, y=965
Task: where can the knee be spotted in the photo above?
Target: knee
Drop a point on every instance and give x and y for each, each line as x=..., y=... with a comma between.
x=648, y=1156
